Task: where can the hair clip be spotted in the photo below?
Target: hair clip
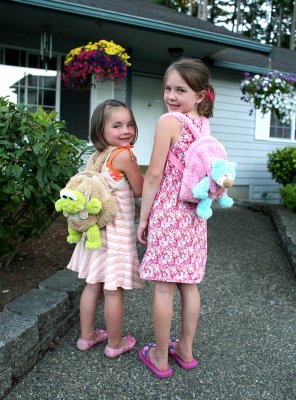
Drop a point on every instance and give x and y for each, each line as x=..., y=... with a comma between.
x=211, y=95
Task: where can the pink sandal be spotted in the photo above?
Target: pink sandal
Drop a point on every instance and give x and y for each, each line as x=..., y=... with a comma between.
x=101, y=336
x=113, y=353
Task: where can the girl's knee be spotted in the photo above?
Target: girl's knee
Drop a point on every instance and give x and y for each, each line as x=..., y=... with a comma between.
x=93, y=287
x=185, y=288
x=113, y=293
x=164, y=288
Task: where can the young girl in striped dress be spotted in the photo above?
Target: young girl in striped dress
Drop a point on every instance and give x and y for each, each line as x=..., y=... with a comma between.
x=114, y=266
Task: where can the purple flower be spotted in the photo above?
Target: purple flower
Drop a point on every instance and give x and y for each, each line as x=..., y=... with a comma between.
x=78, y=72
x=273, y=92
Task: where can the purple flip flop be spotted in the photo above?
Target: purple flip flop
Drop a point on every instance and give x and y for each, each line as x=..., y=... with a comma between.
x=143, y=354
x=186, y=365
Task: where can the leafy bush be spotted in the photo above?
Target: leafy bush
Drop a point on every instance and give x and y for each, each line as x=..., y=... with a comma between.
x=288, y=194
x=37, y=158
x=282, y=165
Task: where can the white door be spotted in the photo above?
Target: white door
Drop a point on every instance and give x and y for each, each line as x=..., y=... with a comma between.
x=147, y=106
x=102, y=91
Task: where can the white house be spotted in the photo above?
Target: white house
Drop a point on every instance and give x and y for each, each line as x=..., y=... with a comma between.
x=151, y=34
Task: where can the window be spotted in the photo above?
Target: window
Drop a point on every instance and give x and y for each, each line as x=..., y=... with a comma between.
x=35, y=90
x=21, y=58
x=268, y=127
x=23, y=80
x=278, y=129
x=15, y=57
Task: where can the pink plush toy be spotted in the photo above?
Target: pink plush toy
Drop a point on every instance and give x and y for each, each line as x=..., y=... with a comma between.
x=199, y=161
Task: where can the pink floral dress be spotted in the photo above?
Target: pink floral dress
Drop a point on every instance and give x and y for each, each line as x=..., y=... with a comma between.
x=177, y=237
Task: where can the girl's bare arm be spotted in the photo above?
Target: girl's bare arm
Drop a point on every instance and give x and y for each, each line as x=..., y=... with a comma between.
x=130, y=168
x=167, y=132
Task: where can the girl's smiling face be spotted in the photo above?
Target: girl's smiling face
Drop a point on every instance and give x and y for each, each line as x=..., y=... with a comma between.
x=120, y=129
x=178, y=96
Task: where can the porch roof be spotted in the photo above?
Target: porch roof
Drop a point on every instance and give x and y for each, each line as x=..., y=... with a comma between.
x=149, y=15
x=144, y=27
x=280, y=59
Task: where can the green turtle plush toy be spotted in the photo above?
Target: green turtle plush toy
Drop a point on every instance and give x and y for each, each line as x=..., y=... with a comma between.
x=88, y=205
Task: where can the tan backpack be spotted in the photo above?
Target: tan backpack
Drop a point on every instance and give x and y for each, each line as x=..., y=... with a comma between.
x=87, y=203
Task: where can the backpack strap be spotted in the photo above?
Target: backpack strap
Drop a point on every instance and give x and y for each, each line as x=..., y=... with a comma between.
x=197, y=132
x=204, y=130
x=96, y=166
x=177, y=163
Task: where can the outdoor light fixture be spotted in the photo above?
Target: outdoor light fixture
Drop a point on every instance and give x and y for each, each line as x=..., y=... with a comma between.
x=46, y=45
x=175, y=52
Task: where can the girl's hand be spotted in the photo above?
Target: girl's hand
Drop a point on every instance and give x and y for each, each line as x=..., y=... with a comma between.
x=142, y=232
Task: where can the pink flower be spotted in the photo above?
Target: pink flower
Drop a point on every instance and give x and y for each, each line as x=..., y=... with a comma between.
x=79, y=70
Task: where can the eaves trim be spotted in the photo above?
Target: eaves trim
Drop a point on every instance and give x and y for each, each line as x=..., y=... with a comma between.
x=133, y=20
x=239, y=67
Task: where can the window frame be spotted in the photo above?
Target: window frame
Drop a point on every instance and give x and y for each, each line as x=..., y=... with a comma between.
x=39, y=88
x=262, y=128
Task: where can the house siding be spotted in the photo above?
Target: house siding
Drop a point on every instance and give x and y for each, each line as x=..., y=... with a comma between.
x=73, y=23
x=233, y=125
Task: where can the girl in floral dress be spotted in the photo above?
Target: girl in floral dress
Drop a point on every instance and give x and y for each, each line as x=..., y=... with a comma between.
x=113, y=267
x=177, y=238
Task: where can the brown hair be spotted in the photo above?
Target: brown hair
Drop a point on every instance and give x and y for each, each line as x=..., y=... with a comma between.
x=98, y=122
x=197, y=76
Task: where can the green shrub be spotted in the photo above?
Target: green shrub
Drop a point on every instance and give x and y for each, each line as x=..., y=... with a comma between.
x=37, y=158
x=288, y=194
x=282, y=165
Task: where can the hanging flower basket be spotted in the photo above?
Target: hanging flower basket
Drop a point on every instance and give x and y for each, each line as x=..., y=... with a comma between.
x=103, y=60
x=275, y=92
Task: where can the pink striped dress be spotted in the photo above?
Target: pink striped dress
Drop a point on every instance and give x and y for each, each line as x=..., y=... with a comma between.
x=116, y=262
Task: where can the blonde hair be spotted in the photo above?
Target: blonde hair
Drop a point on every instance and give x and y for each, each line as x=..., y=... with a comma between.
x=197, y=76
x=98, y=122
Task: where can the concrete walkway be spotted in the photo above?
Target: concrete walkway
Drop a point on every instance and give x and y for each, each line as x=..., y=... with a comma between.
x=245, y=342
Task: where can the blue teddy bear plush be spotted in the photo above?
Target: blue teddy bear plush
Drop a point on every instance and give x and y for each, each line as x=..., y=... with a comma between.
x=215, y=187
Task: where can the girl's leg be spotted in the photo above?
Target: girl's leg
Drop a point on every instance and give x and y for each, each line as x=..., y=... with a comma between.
x=114, y=311
x=88, y=307
x=162, y=317
x=190, y=299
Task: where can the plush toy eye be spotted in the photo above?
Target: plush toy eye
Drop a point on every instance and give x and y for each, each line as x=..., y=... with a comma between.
x=66, y=194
